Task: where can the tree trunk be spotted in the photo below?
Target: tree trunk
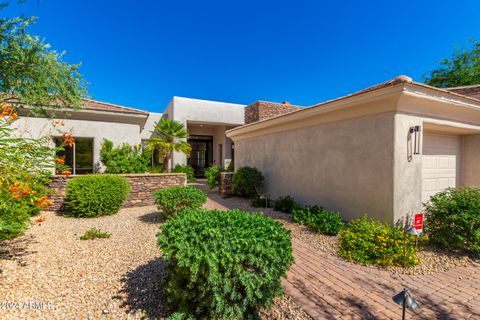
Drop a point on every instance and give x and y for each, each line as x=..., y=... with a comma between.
x=165, y=163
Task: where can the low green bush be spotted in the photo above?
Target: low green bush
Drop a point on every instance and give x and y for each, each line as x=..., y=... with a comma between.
x=212, y=174
x=96, y=195
x=261, y=202
x=95, y=234
x=320, y=220
x=285, y=204
x=453, y=219
x=186, y=169
x=13, y=221
x=224, y=264
x=175, y=199
x=372, y=242
x=247, y=181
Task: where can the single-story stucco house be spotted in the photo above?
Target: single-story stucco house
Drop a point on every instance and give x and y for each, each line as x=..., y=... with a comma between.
x=382, y=151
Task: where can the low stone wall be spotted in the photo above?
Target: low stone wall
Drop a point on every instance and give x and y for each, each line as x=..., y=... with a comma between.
x=142, y=187
x=225, y=184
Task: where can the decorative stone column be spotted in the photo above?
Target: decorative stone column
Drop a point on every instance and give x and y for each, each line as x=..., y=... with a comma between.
x=225, y=184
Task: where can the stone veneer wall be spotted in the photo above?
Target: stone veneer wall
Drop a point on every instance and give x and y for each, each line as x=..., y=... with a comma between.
x=261, y=110
x=225, y=184
x=142, y=186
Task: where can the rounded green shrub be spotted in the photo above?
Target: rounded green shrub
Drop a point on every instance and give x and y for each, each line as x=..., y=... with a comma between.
x=246, y=181
x=285, y=204
x=175, y=199
x=212, y=174
x=372, y=242
x=224, y=264
x=453, y=219
x=96, y=195
x=320, y=220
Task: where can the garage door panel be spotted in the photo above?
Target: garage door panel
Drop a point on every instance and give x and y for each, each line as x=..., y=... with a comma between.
x=441, y=164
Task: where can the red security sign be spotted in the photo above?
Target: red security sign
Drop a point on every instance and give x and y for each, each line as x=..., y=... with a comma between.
x=418, y=221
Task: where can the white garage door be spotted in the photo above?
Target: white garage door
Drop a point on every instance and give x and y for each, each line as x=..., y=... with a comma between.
x=441, y=163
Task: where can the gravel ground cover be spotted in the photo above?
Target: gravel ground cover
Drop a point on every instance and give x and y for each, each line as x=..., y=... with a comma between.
x=432, y=261
x=51, y=274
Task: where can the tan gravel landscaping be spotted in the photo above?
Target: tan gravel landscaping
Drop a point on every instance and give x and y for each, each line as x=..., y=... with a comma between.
x=50, y=273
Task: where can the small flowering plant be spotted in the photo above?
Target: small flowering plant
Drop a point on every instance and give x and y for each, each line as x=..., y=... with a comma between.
x=26, y=165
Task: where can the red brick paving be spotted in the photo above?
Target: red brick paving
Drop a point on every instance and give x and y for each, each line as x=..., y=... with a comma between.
x=327, y=287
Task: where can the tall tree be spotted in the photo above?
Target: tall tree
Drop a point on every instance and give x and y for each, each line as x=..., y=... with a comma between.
x=463, y=68
x=170, y=136
x=31, y=73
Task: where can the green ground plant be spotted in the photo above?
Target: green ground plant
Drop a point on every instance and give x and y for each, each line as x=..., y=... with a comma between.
x=320, y=220
x=96, y=195
x=453, y=220
x=371, y=242
x=95, y=234
x=173, y=200
x=224, y=264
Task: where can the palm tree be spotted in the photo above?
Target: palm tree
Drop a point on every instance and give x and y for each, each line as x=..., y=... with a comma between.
x=169, y=136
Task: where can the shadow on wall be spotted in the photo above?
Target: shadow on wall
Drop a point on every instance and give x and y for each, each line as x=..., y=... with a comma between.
x=144, y=290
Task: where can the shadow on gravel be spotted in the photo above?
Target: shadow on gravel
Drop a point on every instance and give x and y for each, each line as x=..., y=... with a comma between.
x=16, y=248
x=144, y=290
x=152, y=217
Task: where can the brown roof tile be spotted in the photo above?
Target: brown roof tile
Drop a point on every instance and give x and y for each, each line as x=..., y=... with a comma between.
x=105, y=106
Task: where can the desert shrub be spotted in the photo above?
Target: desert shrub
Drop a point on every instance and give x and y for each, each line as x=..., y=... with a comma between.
x=175, y=199
x=246, y=181
x=180, y=316
x=261, y=202
x=185, y=169
x=224, y=264
x=372, y=242
x=320, y=220
x=96, y=195
x=453, y=219
x=13, y=221
x=212, y=174
x=95, y=234
x=125, y=158
x=285, y=204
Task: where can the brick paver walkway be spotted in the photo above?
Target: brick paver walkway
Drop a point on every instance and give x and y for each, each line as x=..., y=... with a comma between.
x=327, y=287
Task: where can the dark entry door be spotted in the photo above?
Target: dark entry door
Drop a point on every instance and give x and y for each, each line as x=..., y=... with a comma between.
x=201, y=156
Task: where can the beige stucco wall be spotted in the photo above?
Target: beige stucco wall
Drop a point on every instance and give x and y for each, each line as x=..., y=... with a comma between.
x=407, y=174
x=118, y=133
x=471, y=161
x=344, y=165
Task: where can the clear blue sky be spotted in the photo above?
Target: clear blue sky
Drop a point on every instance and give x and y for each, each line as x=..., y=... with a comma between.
x=141, y=53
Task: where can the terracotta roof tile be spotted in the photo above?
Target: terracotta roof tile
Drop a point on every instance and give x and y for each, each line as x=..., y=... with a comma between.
x=105, y=106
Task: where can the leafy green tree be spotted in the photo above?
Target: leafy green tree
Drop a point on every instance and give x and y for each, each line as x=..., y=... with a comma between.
x=170, y=136
x=32, y=74
x=462, y=69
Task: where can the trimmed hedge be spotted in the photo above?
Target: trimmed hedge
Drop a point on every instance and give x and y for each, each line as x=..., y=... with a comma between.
x=212, y=174
x=453, y=219
x=320, y=220
x=372, y=242
x=175, y=199
x=224, y=264
x=246, y=181
x=96, y=195
x=285, y=204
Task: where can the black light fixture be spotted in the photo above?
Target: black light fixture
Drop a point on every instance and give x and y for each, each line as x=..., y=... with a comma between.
x=416, y=149
x=406, y=301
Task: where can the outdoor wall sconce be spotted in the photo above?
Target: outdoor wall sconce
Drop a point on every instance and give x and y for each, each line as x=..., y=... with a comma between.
x=415, y=130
